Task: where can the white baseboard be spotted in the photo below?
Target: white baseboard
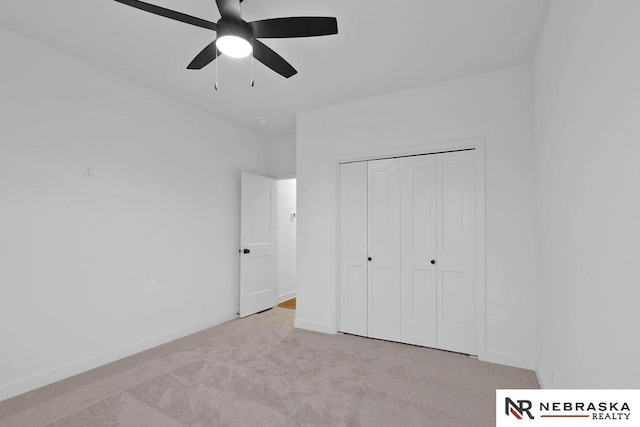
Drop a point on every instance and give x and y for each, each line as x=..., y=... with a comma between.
x=539, y=377
x=325, y=328
x=286, y=297
x=510, y=360
x=540, y=381
x=40, y=380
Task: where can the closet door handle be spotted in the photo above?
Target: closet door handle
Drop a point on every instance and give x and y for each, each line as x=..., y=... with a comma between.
x=369, y=259
x=433, y=261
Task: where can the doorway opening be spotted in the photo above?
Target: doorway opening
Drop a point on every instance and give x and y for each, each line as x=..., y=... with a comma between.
x=267, y=242
x=286, y=238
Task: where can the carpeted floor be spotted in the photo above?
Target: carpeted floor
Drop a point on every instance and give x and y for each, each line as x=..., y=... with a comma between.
x=259, y=371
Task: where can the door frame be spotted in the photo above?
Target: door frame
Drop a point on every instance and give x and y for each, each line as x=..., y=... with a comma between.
x=477, y=144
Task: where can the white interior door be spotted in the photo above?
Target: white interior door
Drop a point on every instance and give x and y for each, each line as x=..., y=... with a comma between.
x=384, y=249
x=353, y=248
x=257, y=243
x=456, y=252
x=419, y=246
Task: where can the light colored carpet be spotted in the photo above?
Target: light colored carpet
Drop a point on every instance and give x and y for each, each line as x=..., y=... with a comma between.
x=259, y=371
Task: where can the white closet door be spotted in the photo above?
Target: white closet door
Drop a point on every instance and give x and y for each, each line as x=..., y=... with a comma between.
x=419, y=296
x=456, y=252
x=353, y=248
x=384, y=249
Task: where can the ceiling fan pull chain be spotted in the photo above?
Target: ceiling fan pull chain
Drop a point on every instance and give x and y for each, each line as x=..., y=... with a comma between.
x=216, y=85
x=253, y=83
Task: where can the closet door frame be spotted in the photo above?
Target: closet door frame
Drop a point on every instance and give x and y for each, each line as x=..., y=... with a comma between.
x=477, y=144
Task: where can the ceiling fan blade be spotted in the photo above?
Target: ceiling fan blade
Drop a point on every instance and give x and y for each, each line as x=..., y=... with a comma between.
x=229, y=8
x=171, y=14
x=272, y=60
x=205, y=57
x=300, y=26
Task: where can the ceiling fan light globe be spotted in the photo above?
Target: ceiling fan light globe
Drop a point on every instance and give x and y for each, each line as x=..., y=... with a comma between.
x=234, y=46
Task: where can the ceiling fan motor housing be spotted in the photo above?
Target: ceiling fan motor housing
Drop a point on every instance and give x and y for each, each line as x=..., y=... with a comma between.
x=228, y=27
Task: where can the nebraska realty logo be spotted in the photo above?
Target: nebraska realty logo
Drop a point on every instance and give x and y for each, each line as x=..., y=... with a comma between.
x=518, y=411
x=567, y=407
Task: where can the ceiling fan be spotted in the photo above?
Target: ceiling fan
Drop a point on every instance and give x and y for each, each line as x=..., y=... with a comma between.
x=238, y=38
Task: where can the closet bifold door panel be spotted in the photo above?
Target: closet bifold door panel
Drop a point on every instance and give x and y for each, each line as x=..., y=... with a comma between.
x=419, y=289
x=384, y=249
x=407, y=250
x=456, y=252
x=353, y=263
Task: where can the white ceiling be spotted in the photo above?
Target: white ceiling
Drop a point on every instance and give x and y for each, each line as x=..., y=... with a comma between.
x=382, y=46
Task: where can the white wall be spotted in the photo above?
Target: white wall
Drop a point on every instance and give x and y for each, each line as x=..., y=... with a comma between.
x=587, y=135
x=94, y=269
x=496, y=106
x=282, y=155
x=286, y=239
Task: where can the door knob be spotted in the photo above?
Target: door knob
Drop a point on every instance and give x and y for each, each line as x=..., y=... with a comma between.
x=433, y=261
x=246, y=251
x=369, y=259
